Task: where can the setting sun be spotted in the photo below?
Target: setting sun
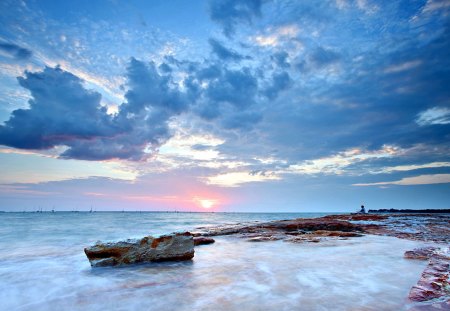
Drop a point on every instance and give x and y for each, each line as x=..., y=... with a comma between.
x=207, y=203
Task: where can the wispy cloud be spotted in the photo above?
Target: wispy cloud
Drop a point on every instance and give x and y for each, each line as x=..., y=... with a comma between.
x=338, y=163
x=435, y=115
x=277, y=36
x=411, y=181
x=402, y=66
x=236, y=179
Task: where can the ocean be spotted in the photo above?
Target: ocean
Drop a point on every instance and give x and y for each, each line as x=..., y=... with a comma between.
x=43, y=267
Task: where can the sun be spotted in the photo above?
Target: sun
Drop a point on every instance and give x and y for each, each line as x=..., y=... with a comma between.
x=206, y=203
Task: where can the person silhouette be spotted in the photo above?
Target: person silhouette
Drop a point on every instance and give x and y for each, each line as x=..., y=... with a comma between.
x=363, y=210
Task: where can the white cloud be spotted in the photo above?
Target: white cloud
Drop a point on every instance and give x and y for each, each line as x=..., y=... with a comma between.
x=237, y=178
x=433, y=5
x=183, y=145
x=402, y=67
x=416, y=180
x=435, y=115
x=336, y=164
x=404, y=168
x=276, y=36
x=367, y=7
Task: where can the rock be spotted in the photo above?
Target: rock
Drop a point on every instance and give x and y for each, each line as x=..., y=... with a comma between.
x=368, y=217
x=176, y=246
x=422, y=253
x=342, y=234
x=313, y=225
x=263, y=238
x=434, y=281
x=203, y=241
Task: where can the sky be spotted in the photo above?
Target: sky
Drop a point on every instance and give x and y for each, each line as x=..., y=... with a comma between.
x=224, y=105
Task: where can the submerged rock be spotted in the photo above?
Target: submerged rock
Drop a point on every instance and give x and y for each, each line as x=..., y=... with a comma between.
x=176, y=246
x=203, y=241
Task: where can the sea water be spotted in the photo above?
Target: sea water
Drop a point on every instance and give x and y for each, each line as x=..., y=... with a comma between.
x=43, y=267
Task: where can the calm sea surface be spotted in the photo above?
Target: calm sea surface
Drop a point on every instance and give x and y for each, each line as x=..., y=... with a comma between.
x=43, y=267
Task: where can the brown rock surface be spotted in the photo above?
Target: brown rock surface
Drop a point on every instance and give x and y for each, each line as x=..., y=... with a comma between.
x=434, y=281
x=422, y=253
x=203, y=241
x=177, y=246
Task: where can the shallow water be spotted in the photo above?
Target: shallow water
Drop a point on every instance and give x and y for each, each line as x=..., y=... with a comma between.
x=43, y=267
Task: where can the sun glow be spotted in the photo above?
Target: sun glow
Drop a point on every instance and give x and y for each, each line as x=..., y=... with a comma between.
x=205, y=203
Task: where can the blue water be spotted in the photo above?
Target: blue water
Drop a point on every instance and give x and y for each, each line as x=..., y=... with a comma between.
x=43, y=267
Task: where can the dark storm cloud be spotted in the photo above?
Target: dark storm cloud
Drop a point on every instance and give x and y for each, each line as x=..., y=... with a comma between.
x=63, y=112
x=15, y=51
x=229, y=13
x=223, y=53
x=152, y=99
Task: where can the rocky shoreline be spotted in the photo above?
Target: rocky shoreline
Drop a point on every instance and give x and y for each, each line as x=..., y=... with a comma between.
x=419, y=227
x=432, y=290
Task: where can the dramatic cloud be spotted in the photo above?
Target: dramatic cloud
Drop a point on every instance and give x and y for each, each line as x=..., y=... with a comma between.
x=15, y=51
x=296, y=94
x=63, y=112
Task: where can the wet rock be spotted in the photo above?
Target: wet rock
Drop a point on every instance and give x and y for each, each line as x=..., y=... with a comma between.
x=434, y=281
x=176, y=246
x=263, y=238
x=313, y=225
x=203, y=241
x=368, y=217
x=342, y=234
x=422, y=253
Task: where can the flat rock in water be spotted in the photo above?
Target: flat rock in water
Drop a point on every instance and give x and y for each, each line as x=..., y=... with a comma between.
x=172, y=247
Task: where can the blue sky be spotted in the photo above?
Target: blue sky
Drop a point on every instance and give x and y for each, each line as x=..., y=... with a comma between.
x=228, y=105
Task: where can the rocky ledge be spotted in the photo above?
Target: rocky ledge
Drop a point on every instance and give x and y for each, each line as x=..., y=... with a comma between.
x=172, y=247
x=296, y=230
x=420, y=227
x=433, y=285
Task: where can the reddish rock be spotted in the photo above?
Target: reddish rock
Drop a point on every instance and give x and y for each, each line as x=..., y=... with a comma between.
x=342, y=234
x=422, y=253
x=177, y=246
x=434, y=281
x=313, y=225
x=203, y=241
x=263, y=238
x=368, y=217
